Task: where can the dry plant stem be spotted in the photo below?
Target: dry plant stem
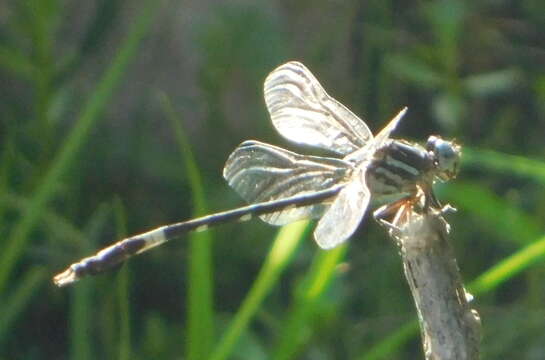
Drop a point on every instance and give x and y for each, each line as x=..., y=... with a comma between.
x=450, y=329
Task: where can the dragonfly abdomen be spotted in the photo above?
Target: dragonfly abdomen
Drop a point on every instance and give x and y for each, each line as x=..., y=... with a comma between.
x=115, y=254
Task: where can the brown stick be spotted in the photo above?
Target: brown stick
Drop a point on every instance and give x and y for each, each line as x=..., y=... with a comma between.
x=450, y=329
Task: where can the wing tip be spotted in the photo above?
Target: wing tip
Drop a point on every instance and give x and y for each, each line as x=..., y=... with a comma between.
x=289, y=63
x=285, y=66
x=324, y=240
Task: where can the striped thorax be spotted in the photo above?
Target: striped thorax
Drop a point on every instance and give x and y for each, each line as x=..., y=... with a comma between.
x=399, y=167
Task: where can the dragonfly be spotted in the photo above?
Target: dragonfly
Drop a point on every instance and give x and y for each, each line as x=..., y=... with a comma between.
x=282, y=186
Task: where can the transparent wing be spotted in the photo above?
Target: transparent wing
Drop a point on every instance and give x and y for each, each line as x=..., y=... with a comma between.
x=345, y=214
x=261, y=172
x=303, y=112
x=366, y=152
x=384, y=134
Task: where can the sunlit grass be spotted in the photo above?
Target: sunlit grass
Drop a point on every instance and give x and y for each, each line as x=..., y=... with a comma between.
x=506, y=163
x=281, y=252
x=200, y=311
x=305, y=308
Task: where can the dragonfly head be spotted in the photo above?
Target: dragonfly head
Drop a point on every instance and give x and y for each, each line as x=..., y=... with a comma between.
x=446, y=157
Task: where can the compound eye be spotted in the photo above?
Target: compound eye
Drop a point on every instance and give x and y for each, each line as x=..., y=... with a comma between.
x=448, y=156
x=445, y=151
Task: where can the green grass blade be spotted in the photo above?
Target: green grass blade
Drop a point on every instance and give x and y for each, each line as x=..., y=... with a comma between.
x=505, y=163
x=12, y=60
x=123, y=295
x=104, y=18
x=509, y=267
x=75, y=140
x=200, y=307
x=81, y=320
x=499, y=216
x=283, y=248
x=295, y=331
x=59, y=227
x=385, y=348
x=13, y=305
x=83, y=346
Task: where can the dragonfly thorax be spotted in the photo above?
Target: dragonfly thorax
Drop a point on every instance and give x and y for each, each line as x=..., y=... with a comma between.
x=397, y=167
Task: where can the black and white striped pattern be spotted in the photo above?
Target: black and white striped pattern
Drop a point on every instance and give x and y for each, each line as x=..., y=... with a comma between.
x=111, y=256
x=397, y=167
x=284, y=186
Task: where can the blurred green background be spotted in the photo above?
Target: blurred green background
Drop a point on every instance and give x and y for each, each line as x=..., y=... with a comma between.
x=117, y=116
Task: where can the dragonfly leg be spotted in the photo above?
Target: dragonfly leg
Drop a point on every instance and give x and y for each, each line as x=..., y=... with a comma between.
x=391, y=215
x=397, y=215
x=430, y=200
x=431, y=203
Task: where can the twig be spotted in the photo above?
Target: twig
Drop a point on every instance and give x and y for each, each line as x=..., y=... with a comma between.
x=450, y=329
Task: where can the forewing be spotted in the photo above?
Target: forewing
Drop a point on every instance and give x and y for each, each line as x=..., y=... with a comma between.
x=385, y=133
x=303, y=112
x=261, y=172
x=345, y=214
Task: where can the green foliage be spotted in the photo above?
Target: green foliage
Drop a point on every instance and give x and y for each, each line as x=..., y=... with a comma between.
x=281, y=252
x=200, y=317
x=89, y=154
